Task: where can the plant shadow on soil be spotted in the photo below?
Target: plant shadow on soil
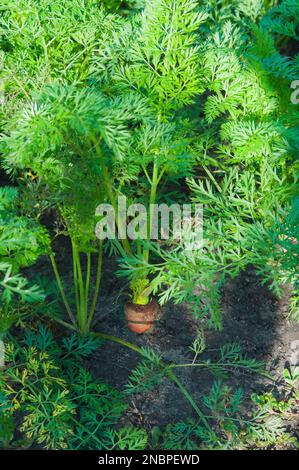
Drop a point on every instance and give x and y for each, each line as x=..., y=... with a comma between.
x=252, y=317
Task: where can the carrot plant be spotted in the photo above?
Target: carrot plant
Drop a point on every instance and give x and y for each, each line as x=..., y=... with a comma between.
x=118, y=121
x=74, y=130
x=67, y=137
x=246, y=151
x=220, y=422
x=159, y=61
x=62, y=405
x=139, y=107
x=171, y=101
x=22, y=242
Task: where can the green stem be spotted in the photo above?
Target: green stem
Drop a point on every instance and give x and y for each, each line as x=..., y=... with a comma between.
x=187, y=395
x=59, y=283
x=81, y=313
x=153, y=193
x=91, y=434
x=114, y=204
x=110, y=191
x=87, y=283
x=224, y=366
x=170, y=374
x=120, y=248
x=98, y=284
x=115, y=339
x=139, y=250
x=66, y=325
x=75, y=276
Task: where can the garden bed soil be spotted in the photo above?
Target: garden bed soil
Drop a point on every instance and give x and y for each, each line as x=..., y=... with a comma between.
x=252, y=317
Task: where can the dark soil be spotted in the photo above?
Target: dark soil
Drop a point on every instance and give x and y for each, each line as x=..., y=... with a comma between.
x=291, y=48
x=252, y=317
